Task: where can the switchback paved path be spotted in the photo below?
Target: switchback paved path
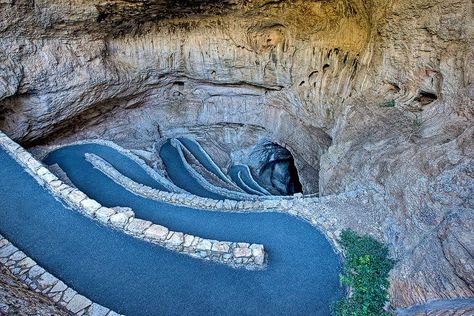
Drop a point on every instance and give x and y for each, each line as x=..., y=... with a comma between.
x=134, y=277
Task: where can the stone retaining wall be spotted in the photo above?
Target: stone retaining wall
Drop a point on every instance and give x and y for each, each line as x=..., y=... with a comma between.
x=41, y=281
x=324, y=213
x=41, y=151
x=209, y=175
x=261, y=189
x=203, y=182
x=221, y=175
x=236, y=254
x=247, y=188
x=188, y=200
x=191, y=200
x=330, y=214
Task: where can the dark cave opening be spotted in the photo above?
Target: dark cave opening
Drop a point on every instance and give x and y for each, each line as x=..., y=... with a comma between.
x=278, y=171
x=296, y=184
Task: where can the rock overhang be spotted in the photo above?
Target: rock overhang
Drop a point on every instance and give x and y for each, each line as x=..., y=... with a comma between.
x=323, y=66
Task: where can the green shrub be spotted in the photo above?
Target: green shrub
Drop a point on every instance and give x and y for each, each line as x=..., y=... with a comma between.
x=388, y=104
x=365, y=272
x=417, y=122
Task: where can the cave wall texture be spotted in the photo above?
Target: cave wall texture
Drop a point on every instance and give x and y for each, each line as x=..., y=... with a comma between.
x=365, y=94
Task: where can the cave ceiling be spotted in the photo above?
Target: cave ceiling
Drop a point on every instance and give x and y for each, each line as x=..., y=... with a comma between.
x=44, y=19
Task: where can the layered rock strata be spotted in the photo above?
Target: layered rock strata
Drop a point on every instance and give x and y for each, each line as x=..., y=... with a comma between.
x=364, y=94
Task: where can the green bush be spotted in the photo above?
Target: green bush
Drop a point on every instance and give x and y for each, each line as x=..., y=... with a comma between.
x=417, y=122
x=365, y=272
x=388, y=104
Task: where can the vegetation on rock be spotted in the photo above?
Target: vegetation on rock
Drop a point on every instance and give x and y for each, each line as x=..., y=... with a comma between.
x=417, y=122
x=388, y=104
x=366, y=271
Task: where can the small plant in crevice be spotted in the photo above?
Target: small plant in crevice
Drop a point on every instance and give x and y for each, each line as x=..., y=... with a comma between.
x=388, y=104
x=366, y=269
x=417, y=122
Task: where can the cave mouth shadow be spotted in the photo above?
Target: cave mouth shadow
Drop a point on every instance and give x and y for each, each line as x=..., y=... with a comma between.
x=277, y=169
x=295, y=180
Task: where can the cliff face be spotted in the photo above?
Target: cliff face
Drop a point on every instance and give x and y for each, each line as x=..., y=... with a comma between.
x=365, y=94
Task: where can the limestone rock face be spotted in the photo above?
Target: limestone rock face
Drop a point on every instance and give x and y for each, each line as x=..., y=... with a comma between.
x=364, y=94
x=17, y=299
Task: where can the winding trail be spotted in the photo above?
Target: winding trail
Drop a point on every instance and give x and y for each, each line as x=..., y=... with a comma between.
x=202, y=156
x=177, y=172
x=237, y=178
x=242, y=176
x=137, y=278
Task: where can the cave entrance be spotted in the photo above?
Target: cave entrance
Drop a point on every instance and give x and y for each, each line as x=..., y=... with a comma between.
x=277, y=170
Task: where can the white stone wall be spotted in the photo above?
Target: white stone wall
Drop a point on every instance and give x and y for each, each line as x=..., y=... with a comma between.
x=202, y=181
x=236, y=254
x=41, y=281
x=41, y=151
x=330, y=214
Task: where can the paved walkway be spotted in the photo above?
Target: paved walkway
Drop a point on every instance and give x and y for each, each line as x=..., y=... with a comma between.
x=242, y=176
x=177, y=172
x=137, y=278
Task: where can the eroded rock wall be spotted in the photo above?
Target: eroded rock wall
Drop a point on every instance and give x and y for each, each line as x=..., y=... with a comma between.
x=292, y=62
x=63, y=74
x=17, y=299
x=365, y=94
x=420, y=152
